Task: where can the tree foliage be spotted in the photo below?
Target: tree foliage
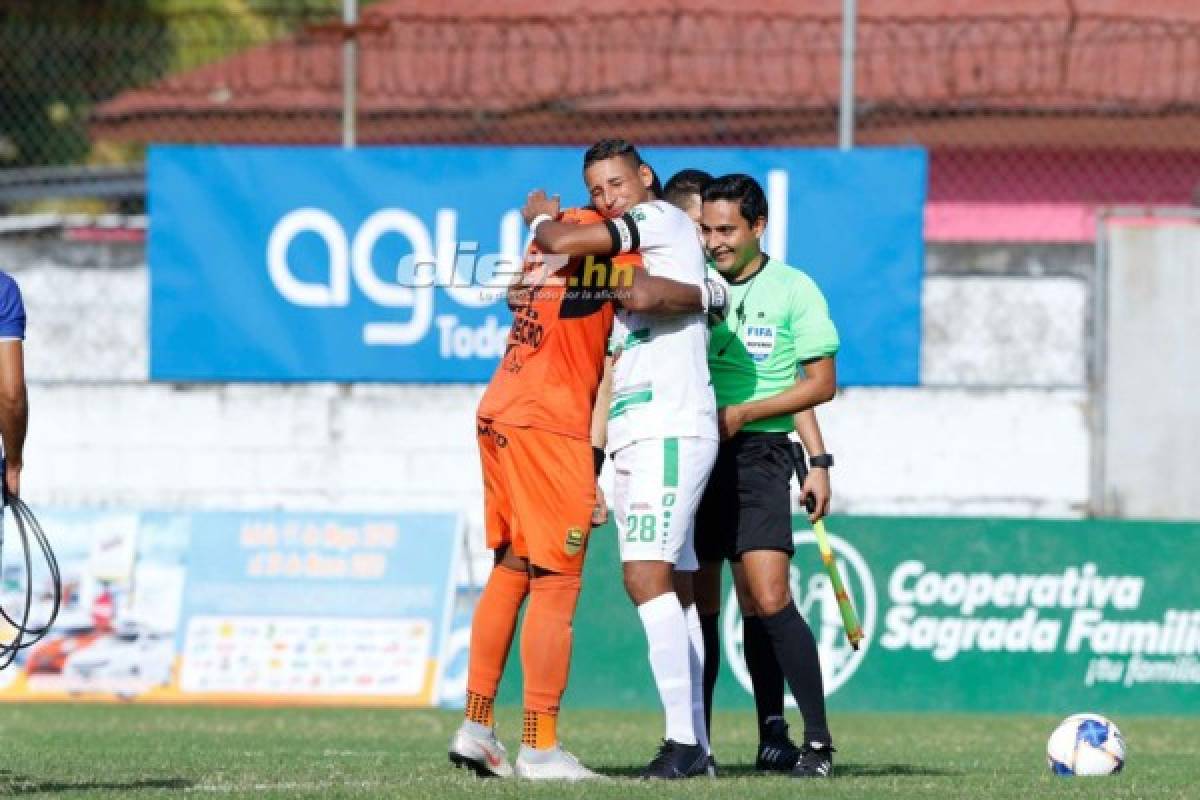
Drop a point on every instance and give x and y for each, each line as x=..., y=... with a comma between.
x=58, y=59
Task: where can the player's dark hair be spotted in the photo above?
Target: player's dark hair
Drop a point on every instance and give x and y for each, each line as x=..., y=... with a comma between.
x=656, y=187
x=742, y=189
x=611, y=148
x=684, y=183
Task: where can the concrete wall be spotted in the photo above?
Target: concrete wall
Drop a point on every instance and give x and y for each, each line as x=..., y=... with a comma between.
x=85, y=324
x=1020, y=452
x=314, y=446
x=1004, y=331
x=1152, y=442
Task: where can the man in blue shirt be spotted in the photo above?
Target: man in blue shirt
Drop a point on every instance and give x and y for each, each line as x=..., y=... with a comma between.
x=14, y=401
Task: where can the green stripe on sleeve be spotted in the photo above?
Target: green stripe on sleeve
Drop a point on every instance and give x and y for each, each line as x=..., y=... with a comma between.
x=622, y=404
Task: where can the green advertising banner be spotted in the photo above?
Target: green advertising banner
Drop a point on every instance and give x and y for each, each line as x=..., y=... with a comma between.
x=958, y=615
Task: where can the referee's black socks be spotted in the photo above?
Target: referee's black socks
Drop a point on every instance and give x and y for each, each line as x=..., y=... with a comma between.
x=765, y=674
x=709, y=626
x=796, y=649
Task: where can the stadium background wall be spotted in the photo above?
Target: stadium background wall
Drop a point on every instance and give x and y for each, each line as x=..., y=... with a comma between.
x=1004, y=347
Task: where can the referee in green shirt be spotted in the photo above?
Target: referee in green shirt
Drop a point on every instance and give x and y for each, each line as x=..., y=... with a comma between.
x=779, y=328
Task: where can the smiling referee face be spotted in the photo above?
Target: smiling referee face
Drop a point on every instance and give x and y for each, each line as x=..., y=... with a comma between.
x=730, y=240
x=732, y=221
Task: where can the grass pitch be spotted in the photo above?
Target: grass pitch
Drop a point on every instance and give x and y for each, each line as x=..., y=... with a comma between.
x=144, y=752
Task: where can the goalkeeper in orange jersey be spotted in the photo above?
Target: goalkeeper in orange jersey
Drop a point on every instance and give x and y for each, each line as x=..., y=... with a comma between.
x=539, y=482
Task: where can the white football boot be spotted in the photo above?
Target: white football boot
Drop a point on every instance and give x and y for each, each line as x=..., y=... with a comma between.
x=555, y=764
x=476, y=748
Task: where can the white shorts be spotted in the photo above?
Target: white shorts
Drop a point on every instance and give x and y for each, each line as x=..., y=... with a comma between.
x=657, y=488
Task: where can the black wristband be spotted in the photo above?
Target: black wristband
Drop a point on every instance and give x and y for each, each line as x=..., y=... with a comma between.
x=825, y=460
x=598, y=459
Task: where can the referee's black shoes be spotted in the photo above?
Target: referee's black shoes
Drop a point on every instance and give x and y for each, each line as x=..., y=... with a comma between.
x=776, y=750
x=816, y=761
x=674, y=761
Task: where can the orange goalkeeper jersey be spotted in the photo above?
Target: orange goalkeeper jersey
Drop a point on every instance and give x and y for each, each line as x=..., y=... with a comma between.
x=554, y=358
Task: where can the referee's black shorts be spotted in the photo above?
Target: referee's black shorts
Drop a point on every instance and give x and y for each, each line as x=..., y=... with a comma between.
x=747, y=502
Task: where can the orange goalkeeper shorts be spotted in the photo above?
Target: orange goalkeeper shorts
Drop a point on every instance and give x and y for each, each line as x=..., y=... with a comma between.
x=538, y=492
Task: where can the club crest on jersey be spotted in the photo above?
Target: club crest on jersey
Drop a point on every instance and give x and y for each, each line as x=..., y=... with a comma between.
x=759, y=341
x=574, y=541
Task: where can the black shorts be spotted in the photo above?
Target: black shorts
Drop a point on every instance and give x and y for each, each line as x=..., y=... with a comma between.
x=747, y=502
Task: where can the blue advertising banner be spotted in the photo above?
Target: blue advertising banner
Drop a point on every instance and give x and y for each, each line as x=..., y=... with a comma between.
x=379, y=264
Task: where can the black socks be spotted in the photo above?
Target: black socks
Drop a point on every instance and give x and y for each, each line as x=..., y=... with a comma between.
x=796, y=650
x=712, y=662
x=765, y=673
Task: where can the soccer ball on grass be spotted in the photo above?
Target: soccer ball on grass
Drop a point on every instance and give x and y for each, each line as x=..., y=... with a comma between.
x=1085, y=744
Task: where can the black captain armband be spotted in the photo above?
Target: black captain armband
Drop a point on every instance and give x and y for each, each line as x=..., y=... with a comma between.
x=598, y=459
x=624, y=233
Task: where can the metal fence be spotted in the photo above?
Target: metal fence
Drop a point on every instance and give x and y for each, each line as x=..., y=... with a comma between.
x=94, y=82
x=61, y=62
x=1045, y=105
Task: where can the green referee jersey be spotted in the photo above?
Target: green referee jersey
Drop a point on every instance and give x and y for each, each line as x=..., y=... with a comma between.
x=778, y=319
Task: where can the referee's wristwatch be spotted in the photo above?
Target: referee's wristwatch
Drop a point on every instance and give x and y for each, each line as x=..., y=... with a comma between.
x=824, y=460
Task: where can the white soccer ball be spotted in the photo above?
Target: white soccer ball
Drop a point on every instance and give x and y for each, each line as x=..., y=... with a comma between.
x=1085, y=744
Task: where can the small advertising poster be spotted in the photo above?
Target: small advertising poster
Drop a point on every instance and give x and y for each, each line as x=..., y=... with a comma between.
x=334, y=606
x=240, y=607
x=96, y=553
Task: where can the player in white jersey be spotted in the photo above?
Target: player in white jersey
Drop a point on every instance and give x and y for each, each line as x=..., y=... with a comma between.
x=662, y=433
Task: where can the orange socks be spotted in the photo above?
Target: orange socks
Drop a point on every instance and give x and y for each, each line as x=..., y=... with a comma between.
x=540, y=730
x=491, y=638
x=479, y=709
x=546, y=652
x=545, y=648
